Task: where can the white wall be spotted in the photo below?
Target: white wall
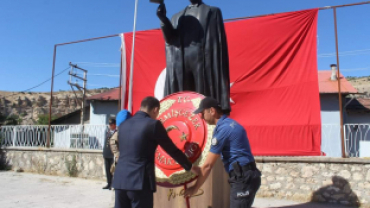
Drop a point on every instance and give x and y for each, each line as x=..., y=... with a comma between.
x=330, y=122
x=101, y=111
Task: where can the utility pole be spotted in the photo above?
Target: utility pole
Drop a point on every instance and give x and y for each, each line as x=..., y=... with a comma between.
x=73, y=74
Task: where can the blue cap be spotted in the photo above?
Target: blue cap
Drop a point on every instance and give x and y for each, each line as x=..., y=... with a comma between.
x=122, y=116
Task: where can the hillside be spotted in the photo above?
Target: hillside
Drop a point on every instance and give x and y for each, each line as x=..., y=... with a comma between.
x=362, y=84
x=29, y=105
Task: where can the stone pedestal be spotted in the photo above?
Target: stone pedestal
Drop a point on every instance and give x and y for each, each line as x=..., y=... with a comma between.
x=215, y=193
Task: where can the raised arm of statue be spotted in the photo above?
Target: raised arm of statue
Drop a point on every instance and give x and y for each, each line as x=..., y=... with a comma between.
x=169, y=31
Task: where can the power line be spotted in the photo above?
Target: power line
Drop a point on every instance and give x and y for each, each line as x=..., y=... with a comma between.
x=355, y=69
x=103, y=66
x=107, y=75
x=97, y=85
x=345, y=53
x=100, y=65
x=96, y=63
x=38, y=85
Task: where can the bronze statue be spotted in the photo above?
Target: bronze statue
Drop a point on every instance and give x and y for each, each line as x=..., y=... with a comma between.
x=196, y=52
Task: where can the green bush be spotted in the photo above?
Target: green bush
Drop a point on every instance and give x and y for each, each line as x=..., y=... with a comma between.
x=43, y=119
x=13, y=120
x=2, y=118
x=4, y=165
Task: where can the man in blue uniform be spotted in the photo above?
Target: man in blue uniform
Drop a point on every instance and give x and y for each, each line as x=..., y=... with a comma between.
x=229, y=141
x=134, y=177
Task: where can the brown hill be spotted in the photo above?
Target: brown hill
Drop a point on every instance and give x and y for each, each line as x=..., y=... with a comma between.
x=29, y=105
x=362, y=84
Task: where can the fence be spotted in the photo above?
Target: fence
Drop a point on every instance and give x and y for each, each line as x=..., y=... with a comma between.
x=62, y=136
x=92, y=137
x=357, y=140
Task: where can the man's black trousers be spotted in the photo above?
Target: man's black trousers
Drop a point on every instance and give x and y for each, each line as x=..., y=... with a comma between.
x=243, y=187
x=134, y=199
x=108, y=163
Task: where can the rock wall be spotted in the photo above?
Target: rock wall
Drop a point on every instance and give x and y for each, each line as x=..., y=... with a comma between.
x=333, y=180
x=81, y=163
x=319, y=179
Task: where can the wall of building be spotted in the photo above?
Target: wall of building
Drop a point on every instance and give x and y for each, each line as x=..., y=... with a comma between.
x=319, y=179
x=358, y=118
x=330, y=121
x=101, y=111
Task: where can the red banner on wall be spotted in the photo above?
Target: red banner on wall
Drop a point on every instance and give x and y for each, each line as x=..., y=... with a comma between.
x=273, y=73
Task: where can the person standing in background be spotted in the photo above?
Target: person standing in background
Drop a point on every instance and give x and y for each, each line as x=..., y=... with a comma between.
x=107, y=152
x=122, y=116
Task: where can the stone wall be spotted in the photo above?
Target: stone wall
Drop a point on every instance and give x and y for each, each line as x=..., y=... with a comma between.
x=80, y=163
x=319, y=179
x=334, y=180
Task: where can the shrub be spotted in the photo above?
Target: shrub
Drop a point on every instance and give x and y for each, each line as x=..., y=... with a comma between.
x=13, y=120
x=43, y=119
x=4, y=164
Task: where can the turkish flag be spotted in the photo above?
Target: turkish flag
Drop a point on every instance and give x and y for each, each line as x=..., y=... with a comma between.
x=273, y=76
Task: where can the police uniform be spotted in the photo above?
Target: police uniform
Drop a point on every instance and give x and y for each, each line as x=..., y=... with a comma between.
x=231, y=141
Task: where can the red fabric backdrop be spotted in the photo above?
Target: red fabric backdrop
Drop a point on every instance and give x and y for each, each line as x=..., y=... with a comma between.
x=273, y=68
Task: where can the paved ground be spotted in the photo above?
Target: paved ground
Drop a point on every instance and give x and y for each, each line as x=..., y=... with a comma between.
x=25, y=190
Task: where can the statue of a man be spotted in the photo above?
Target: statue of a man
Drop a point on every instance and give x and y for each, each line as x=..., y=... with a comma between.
x=196, y=51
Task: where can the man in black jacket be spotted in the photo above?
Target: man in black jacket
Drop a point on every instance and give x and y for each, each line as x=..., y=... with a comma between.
x=134, y=177
x=107, y=152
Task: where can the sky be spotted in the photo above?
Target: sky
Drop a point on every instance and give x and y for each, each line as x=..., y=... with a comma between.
x=30, y=29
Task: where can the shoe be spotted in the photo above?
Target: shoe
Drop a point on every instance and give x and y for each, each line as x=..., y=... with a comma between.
x=108, y=186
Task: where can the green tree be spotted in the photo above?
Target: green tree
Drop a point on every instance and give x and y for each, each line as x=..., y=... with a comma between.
x=13, y=120
x=2, y=118
x=43, y=119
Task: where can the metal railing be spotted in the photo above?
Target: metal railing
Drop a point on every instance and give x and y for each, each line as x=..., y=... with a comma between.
x=357, y=137
x=62, y=136
x=357, y=140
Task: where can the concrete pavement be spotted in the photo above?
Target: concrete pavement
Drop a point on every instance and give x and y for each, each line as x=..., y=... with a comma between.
x=25, y=190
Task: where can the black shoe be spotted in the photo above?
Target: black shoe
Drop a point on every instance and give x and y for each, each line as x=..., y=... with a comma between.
x=108, y=186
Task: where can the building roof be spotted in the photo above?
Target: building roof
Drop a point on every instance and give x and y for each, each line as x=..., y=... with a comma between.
x=109, y=95
x=76, y=113
x=327, y=86
x=359, y=104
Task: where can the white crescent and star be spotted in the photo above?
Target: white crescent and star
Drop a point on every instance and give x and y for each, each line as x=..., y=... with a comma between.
x=159, y=86
x=231, y=100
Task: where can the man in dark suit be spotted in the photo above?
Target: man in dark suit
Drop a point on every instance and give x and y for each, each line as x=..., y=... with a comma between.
x=134, y=177
x=107, y=152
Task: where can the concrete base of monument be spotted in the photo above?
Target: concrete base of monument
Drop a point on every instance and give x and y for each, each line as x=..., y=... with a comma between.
x=215, y=192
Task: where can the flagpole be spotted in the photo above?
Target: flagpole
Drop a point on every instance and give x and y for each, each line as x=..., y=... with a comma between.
x=123, y=76
x=132, y=59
